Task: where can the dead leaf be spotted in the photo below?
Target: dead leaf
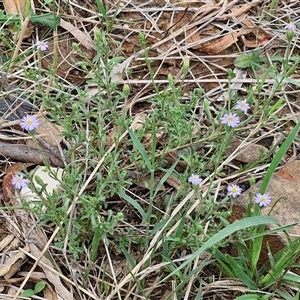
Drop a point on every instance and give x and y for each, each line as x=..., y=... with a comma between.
x=31, y=155
x=174, y=182
x=51, y=276
x=50, y=132
x=261, y=36
x=110, y=138
x=204, y=10
x=256, y=43
x=14, y=7
x=218, y=45
x=144, y=182
x=6, y=241
x=237, y=11
x=128, y=47
x=62, y=57
x=48, y=292
x=83, y=39
x=17, y=7
x=12, y=266
x=193, y=37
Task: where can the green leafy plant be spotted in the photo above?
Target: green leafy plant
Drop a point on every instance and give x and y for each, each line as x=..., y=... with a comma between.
x=38, y=287
x=245, y=265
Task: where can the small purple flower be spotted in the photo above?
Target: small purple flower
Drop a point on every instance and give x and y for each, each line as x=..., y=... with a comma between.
x=234, y=190
x=243, y=105
x=262, y=200
x=230, y=119
x=29, y=122
x=19, y=182
x=42, y=45
x=290, y=26
x=195, y=179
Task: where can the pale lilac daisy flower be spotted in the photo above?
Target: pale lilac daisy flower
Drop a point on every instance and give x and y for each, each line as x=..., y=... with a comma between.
x=19, y=182
x=42, y=45
x=234, y=190
x=262, y=200
x=243, y=105
x=195, y=179
x=29, y=122
x=290, y=26
x=230, y=119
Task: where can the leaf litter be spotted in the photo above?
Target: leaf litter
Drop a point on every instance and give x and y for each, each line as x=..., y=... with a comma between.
x=213, y=35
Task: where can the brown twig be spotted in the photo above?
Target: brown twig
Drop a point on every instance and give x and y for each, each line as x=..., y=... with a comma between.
x=183, y=14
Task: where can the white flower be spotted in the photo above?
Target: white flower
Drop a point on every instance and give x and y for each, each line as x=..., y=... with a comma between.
x=230, y=119
x=262, y=200
x=41, y=45
x=234, y=190
x=243, y=105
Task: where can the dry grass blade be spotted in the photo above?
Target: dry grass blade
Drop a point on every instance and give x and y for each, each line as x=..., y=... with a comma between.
x=167, y=70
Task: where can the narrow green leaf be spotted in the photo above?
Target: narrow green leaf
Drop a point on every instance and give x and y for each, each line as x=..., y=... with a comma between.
x=282, y=150
x=123, y=195
x=159, y=225
x=255, y=248
x=291, y=277
x=256, y=244
x=129, y=258
x=283, y=259
x=49, y=20
x=101, y=8
x=287, y=296
x=271, y=231
x=222, y=260
x=95, y=243
x=225, y=232
x=240, y=273
x=248, y=297
x=140, y=148
x=165, y=177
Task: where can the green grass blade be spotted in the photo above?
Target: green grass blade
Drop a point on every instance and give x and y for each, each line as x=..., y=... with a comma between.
x=249, y=297
x=134, y=203
x=101, y=8
x=255, y=249
x=129, y=258
x=256, y=244
x=291, y=277
x=222, y=260
x=283, y=259
x=165, y=177
x=225, y=232
x=282, y=150
x=95, y=243
x=137, y=144
x=286, y=296
x=240, y=273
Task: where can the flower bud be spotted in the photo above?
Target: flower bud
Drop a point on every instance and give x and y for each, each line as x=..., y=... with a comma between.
x=290, y=35
x=170, y=79
x=74, y=107
x=186, y=65
x=126, y=90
